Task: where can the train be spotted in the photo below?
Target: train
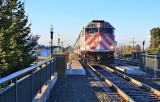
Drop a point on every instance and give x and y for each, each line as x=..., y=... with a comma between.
x=96, y=43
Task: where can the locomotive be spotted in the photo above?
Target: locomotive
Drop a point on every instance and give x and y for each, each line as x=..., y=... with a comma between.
x=96, y=43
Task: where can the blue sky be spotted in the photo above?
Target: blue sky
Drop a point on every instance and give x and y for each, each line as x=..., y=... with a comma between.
x=131, y=18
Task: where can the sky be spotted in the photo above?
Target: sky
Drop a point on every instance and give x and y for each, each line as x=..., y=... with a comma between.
x=131, y=18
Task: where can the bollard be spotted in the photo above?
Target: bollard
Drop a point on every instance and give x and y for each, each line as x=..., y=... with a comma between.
x=61, y=64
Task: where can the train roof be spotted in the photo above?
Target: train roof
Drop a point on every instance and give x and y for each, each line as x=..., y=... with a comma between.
x=99, y=21
x=94, y=23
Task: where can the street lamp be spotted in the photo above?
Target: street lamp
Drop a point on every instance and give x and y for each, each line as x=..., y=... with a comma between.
x=143, y=45
x=51, y=31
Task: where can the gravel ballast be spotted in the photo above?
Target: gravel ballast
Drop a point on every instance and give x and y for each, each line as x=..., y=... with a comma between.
x=78, y=89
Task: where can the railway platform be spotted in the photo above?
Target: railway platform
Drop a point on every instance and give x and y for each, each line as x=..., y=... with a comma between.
x=130, y=69
x=74, y=67
x=76, y=88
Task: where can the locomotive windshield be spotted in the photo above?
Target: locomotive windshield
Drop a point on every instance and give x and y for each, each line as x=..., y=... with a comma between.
x=99, y=30
x=91, y=30
x=106, y=30
x=99, y=26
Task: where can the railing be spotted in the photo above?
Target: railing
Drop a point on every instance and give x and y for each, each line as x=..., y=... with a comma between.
x=23, y=85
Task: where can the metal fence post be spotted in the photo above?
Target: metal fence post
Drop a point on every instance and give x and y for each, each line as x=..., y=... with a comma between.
x=46, y=72
x=50, y=70
x=32, y=84
x=15, y=82
x=155, y=74
x=40, y=78
x=54, y=64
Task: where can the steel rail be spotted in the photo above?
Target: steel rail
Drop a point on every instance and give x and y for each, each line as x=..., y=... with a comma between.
x=135, y=82
x=124, y=96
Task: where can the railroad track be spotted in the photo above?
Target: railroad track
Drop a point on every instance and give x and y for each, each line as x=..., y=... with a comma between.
x=127, y=88
x=134, y=63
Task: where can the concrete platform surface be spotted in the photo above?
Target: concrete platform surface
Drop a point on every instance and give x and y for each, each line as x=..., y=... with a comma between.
x=129, y=70
x=77, y=88
x=74, y=67
x=74, y=64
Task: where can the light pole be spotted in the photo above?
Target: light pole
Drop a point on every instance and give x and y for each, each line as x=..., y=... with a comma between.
x=59, y=43
x=51, y=31
x=143, y=45
x=62, y=44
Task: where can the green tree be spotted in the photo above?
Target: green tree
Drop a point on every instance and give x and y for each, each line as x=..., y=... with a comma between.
x=155, y=41
x=15, y=38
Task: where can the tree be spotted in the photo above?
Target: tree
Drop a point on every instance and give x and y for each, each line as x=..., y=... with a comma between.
x=137, y=48
x=128, y=49
x=155, y=41
x=120, y=50
x=15, y=38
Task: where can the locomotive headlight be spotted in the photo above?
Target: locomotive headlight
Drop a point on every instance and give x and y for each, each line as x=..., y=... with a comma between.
x=87, y=47
x=82, y=49
x=111, y=47
x=100, y=38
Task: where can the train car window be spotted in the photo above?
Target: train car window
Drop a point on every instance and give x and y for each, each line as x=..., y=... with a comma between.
x=109, y=30
x=106, y=30
x=91, y=30
x=87, y=30
x=102, y=30
x=94, y=30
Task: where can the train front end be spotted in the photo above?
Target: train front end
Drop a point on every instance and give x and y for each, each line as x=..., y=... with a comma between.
x=99, y=43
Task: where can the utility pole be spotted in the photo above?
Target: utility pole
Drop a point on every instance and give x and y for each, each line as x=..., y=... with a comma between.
x=133, y=43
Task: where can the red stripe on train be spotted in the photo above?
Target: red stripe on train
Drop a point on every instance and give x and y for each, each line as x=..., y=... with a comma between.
x=112, y=37
x=86, y=37
x=91, y=41
x=108, y=42
x=95, y=45
x=104, y=46
x=99, y=42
